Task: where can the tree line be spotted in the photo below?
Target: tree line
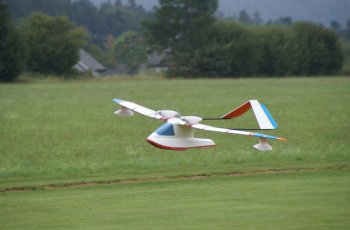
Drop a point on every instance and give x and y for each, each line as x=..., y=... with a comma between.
x=110, y=18
x=203, y=45
x=199, y=42
x=45, y=35
x=40, y=43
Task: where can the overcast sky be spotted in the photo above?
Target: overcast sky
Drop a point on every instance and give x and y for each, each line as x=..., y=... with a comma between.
x=318, y=11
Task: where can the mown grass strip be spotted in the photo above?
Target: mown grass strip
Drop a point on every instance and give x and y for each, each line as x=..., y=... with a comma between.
x=166, y=178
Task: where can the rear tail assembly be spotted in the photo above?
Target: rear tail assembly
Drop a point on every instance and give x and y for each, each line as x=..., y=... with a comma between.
x=262, y=115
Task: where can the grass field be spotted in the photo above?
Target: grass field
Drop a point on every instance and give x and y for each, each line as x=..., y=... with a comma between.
x=288, y=201
x=61, y=143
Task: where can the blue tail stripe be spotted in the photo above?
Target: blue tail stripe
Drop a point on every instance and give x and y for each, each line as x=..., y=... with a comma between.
x=264, y=136
x=273, y=122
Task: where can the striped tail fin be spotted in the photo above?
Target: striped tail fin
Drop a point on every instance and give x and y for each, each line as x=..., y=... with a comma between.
x=262, y=115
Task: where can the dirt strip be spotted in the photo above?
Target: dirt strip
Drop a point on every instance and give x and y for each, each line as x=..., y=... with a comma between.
x=157, y=179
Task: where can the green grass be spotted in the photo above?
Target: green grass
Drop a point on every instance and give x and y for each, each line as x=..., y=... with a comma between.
x=54, y=133
x=65, y=131
x=314, y=200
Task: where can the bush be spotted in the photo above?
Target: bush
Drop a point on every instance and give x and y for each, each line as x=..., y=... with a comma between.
x=11, y=48
x=319, y=50
x=232, y=49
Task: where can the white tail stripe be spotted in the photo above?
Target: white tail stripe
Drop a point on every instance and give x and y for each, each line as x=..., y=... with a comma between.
x=261, y=116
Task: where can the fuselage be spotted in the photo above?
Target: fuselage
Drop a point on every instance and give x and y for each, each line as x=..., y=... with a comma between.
x=177, y=137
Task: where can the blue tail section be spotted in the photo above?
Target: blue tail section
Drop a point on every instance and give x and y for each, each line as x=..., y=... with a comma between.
x=273, y=122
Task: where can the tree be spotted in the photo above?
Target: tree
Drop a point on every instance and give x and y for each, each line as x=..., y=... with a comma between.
x=11, y=48
x=132, y=4
x=116, y=18
x=130, y=49
x=233, y=51
x=239, y=50
x=20, y=8
x=53, y=43
x=319, y=50
x=257, y=18
x=347, y=30
x=244, y=17
x=278, y=51
x=84, y=13
x=182, y=27
x=336, y=27
x=118, y=3
x=111, y=17
x=286, y=21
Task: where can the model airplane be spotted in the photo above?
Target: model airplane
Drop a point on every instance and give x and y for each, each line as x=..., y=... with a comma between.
x=178, y=131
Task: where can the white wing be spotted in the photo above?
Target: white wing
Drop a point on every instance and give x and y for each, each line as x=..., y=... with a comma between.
x=231, y=131
x=139, y=109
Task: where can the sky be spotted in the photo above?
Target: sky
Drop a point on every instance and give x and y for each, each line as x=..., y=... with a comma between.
x=318, y=11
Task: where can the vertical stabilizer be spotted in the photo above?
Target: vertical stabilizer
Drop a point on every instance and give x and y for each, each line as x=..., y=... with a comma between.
x=262, y=115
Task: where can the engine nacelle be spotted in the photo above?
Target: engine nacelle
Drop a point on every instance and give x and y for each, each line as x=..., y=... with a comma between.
x=168, y=113
x=263, y=145
x=124, y=112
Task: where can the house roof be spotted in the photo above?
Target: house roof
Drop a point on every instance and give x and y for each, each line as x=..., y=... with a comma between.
x=158, y=59
x=87, y=62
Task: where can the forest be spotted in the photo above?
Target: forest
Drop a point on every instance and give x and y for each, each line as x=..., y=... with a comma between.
x=43, y=36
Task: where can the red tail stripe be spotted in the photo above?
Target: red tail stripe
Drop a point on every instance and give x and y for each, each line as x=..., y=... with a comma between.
x=238, y=111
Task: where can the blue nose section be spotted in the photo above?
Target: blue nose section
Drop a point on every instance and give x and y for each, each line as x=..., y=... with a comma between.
x=166, y=130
